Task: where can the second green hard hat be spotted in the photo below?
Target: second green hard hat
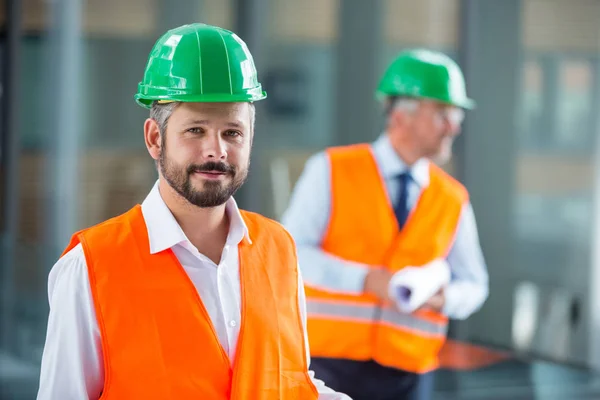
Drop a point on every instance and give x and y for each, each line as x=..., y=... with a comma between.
x=425, y=74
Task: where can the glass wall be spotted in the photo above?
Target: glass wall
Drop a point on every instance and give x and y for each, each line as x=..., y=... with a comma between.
x=433, y=24
x=530, y=163
x=555, y=178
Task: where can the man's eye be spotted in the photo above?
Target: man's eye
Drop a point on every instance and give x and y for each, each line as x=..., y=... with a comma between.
x=195, y=130
x=233, y=133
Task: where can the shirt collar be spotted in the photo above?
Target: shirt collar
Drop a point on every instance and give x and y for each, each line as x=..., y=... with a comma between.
x=164, y=232
x=391, y=165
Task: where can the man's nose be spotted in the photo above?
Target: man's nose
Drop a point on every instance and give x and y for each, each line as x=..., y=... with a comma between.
x=214, y=148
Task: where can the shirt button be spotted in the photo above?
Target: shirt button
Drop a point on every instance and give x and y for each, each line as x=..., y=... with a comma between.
x=232, y=323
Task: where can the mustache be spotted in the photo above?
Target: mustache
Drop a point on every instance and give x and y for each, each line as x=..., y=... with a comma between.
x=211, y=166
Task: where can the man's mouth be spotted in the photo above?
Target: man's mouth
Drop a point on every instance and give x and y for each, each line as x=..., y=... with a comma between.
x=210, y=174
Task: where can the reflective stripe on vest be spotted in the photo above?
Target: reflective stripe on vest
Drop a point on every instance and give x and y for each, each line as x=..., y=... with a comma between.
x=369, y=313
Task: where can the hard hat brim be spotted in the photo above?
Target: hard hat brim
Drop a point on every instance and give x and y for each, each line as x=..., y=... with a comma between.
x=250, y=96
x=466, y=103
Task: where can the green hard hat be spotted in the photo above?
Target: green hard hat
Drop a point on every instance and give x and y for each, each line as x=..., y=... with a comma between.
x=199, y=63
x=425, y=74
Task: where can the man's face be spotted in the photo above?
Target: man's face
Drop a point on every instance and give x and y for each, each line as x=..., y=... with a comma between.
x=435, y=126
x=205, y=152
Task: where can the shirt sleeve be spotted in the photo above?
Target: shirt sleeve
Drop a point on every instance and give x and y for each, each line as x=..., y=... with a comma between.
x=72, y=362
x=468, y=288
x=307, y=219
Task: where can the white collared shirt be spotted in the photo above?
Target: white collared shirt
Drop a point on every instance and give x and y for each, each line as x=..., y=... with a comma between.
x=72, y=363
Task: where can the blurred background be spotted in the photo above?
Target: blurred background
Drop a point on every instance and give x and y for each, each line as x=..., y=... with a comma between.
x=72, y=151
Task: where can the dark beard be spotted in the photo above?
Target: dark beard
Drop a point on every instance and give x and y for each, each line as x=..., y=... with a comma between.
x=215, y=193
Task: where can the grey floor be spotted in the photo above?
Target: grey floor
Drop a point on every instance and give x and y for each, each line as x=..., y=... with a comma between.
x=513, y=380
x=518, y=380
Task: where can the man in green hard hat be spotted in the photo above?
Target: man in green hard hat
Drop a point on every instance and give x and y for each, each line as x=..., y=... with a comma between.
x=387, y=241
x=184, y=296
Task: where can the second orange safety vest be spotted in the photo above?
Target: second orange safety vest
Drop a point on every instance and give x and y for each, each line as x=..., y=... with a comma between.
x=363, y=228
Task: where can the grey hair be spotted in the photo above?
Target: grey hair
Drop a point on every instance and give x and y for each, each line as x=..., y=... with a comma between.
x=406, y=104
x=162, y=112
x=252, y=116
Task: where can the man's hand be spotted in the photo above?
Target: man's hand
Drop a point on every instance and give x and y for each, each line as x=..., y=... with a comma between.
x=436, y=302
x=377, y=282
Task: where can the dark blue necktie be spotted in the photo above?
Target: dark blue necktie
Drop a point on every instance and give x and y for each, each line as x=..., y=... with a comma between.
x=401, y=207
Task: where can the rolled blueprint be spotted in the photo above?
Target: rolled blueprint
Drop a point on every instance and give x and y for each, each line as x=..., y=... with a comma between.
x=411, y=287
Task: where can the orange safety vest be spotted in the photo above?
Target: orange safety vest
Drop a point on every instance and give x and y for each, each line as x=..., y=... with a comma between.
x=363, y=228
x=158, y=340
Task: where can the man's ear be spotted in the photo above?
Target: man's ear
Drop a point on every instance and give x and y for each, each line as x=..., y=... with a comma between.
x=398, y=118
x=152, y=138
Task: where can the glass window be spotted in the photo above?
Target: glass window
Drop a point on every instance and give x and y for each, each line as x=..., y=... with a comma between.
x=575, y=125
x=431, y=23
x=554, y=209
x=531, y=127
